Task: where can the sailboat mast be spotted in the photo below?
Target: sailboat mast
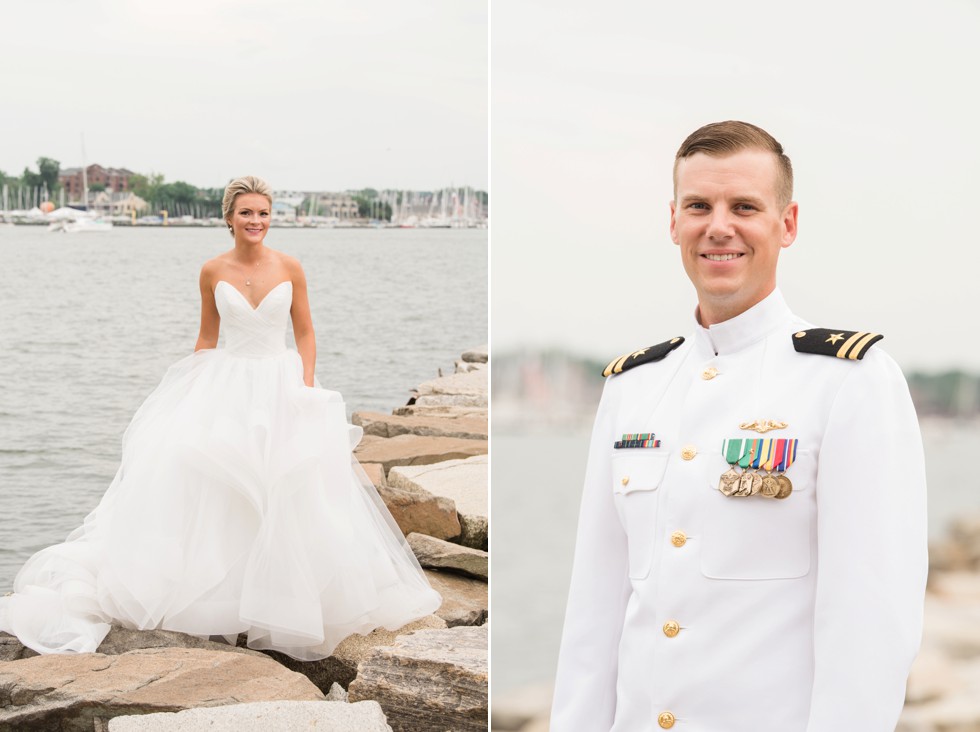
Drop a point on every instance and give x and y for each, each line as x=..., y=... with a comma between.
x=84, y=177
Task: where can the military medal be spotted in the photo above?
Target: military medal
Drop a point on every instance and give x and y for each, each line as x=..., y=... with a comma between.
x=789, y=455
x=756, y=457
x=732, y=450
x=770, y=485
x=762, y=455
x=750, y=481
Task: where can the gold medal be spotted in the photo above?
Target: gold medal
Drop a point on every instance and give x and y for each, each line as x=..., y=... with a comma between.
x=746, y=482
x=729, y=481
x=770, y=486
x=785, y=486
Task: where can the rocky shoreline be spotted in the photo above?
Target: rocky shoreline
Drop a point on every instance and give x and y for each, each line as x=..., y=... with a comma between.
x=428, y=461
x=943, y=692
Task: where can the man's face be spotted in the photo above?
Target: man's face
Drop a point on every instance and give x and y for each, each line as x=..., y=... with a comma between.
x=728, y=222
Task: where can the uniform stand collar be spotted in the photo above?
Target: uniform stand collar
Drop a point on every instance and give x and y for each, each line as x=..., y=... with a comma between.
x=743, y=330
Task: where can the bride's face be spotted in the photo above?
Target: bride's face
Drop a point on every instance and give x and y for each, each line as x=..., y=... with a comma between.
x=251, y=217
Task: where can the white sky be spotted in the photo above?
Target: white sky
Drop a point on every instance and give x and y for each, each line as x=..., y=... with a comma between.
x=308, y=94
x=875, y=102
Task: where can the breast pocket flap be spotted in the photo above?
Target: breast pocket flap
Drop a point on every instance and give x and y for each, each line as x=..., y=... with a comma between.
x=638, y=470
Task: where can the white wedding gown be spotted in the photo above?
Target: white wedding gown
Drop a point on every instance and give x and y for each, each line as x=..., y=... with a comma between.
x=237, y=507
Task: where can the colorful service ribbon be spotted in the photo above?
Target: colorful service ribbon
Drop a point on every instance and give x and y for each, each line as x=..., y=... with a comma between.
x=637, y=439
x=768, y=454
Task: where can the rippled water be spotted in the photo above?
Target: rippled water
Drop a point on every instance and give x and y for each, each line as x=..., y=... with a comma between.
x=89, y=323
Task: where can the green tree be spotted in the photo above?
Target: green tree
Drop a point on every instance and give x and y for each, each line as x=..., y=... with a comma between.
x=178, y=192
x=368, y=206
x=96, y=188
x=146, y=187
x=30, y=179
x=211, y=197
x=48, y=171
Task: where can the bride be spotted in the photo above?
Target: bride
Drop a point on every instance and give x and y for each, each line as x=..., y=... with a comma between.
x=237, y=506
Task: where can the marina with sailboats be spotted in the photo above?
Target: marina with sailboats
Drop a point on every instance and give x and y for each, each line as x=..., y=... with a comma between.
x=96, y=198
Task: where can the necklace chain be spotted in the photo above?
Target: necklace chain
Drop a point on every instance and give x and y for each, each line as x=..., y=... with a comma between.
x=248, y=280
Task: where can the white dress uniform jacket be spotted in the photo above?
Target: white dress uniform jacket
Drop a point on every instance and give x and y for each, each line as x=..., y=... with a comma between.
x=705, y=613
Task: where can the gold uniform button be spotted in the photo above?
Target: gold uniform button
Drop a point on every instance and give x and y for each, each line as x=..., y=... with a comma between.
x=709, y=373
x=678, y=538
x=666, y=720
x=625, y=480
x=801, y=334
x=671, y=628
x=689, y=452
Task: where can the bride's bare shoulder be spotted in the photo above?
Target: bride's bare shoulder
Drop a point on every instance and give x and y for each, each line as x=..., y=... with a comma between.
x=290, y=263
x=212, y=269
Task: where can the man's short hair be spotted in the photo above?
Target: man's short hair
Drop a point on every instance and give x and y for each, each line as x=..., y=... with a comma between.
x=720, y=139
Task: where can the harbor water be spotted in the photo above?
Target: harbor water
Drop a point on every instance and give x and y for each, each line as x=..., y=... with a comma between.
x=91, y=321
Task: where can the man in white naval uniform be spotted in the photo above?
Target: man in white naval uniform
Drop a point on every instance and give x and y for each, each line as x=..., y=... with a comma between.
x=698, y=610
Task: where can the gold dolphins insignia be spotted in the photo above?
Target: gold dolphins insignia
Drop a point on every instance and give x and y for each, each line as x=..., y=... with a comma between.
x=763, y=425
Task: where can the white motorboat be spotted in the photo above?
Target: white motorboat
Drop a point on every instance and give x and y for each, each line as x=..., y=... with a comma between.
x=80, y=225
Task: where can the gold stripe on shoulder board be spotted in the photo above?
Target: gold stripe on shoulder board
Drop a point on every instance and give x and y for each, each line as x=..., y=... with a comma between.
x=842, y=353
x=862, y=344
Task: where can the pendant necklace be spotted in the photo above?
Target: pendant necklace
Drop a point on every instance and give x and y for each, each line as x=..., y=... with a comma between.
x=248, y=281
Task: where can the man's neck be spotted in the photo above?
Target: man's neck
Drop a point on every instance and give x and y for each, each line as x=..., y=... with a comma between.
x=710, y=313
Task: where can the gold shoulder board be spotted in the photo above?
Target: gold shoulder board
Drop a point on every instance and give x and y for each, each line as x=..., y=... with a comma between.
x=644, y=355
x=851, y=344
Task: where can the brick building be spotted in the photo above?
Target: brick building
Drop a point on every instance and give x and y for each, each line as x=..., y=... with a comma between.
x=114, y=179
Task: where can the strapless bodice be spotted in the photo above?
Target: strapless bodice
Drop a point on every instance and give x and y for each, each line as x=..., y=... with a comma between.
x=258, y=331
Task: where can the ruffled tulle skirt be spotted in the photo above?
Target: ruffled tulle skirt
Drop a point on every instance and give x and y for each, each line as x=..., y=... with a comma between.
x=237, y=507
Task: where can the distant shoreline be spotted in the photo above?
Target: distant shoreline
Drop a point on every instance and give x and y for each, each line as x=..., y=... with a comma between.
x=206, y=223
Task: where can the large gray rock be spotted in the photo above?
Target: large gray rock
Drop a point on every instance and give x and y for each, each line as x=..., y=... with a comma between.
x=429, y=681
x=74, y=693
x=464, y=482
x=276, y=716
x=341, y=667
x=391, y=425
x=12, y=649
x=441, y=411
x=437, y=554
x=122, y=640
x=458, y=390
x=375, y=473
x=464, y=367
x=465, y=601
x=422, y=512
x=480, y=354
x=474, y=532
x=416, y=450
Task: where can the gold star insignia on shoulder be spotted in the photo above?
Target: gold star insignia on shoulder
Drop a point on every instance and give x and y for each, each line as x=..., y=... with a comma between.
x=824, y=342
x=642, y=356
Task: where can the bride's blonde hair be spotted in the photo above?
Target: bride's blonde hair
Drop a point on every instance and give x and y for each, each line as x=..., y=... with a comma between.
x=245, y=184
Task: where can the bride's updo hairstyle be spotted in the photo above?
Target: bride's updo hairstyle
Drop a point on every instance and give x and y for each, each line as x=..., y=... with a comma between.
x=245, y=184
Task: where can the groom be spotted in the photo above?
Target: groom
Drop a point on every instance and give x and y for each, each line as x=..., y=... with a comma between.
x=751, y=552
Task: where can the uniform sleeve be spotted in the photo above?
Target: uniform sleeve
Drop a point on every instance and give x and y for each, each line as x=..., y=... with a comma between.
x=871, y=552
x=585, y=686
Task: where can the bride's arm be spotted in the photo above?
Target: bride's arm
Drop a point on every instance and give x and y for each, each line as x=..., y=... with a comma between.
x=210, y=320
x=302, y=321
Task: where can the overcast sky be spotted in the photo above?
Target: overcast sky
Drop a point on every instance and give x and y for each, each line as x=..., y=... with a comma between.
x=305, y=93
x=875, y=102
